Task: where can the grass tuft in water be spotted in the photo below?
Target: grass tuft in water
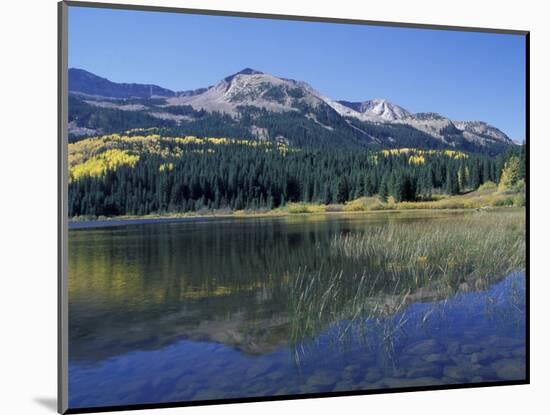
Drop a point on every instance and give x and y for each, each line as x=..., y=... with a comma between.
x=405, y=262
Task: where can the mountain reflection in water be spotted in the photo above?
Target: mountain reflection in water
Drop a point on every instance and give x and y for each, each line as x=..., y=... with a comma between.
x=237, y=308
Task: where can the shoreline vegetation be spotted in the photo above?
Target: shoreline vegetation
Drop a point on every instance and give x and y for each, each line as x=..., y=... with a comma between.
x=417, y=261
x=487, y=197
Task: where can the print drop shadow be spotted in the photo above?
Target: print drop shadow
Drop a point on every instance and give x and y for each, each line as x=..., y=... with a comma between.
x=48, y=403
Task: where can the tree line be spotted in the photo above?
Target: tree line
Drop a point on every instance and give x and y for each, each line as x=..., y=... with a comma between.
x=244, y=177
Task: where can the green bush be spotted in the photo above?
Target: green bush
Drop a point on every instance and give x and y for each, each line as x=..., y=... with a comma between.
x=519, y=200
x=297, y=208
x=488, y=186
x=519, y=186
x=507, y=201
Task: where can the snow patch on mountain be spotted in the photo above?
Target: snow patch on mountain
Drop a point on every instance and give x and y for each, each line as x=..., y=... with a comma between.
x=376, y=110
x=383, y=109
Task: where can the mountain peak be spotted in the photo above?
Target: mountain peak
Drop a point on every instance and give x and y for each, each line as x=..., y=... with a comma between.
x=84, y=82
x=378, y=108
x=249, y=71
x=380, y=101
x=245, y=71
x=83, y=72
x=384, y=109
x=252, y=88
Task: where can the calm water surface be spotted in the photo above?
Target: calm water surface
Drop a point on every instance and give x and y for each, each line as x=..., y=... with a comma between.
x=182, y=311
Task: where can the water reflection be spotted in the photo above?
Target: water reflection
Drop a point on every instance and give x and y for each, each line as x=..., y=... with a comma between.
x=234, y=308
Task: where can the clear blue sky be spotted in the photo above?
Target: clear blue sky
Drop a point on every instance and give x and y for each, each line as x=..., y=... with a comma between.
x=464, y=76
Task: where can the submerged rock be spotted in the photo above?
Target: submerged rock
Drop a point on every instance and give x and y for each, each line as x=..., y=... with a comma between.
x=320, y=378
x=453, y=348
x=470, y=348
x=457, y=372
x=509, y=369
x=481, y=358
x=259, y=368
x=373, y=374
x=424, y=371
x=439, y=358
x=423, y=347
x=519, y=352
x=404, y=383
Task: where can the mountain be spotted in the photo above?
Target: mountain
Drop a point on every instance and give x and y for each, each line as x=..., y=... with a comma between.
x=251, y=103
x=476, y=129
x=251, y=88
x=84, y=82
x=434, y=124
x=375, y=110
x=453, y=133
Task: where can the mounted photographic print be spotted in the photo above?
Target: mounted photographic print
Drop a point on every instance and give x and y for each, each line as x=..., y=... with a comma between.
x=258, y=207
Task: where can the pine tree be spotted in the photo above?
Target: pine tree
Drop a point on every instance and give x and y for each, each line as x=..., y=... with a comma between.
x=475, y=179
x=383, y=190
x=342, y=194
x=451, y=185
x=462, y=181
x=370, y=184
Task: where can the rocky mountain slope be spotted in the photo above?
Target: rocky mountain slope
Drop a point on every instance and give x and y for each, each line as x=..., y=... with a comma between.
x=255, y=104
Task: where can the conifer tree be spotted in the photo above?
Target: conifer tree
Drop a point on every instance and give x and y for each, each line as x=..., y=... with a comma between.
x=451, y=186
x=343, y=190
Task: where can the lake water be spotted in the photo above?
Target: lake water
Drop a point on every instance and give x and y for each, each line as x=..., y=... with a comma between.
x=232, y=308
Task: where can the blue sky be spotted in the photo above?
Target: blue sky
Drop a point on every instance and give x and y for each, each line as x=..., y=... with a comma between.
x=462, y=75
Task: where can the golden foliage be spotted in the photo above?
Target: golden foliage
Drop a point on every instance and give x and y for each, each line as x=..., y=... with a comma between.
x=416, y=159
x=166, y=167
x=417, y=156
x=93, y=156
x=510, y=174
x=98, y=165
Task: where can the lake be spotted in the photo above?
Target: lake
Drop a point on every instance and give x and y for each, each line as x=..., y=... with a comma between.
x=173, y=311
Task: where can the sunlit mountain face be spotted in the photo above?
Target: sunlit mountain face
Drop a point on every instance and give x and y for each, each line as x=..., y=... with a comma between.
x=254, y=104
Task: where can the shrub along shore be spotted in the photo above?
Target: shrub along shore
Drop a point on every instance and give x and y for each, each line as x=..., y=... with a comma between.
x=488, y=196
